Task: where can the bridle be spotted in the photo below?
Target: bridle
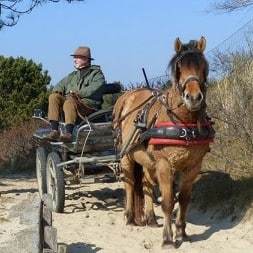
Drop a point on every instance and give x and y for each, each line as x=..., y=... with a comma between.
x=181, y=85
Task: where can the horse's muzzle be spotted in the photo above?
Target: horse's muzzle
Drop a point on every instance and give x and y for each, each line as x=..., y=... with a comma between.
x=193, y=102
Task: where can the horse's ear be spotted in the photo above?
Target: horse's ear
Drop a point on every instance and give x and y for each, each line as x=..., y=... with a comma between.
x=202, y=44
x=178, y=45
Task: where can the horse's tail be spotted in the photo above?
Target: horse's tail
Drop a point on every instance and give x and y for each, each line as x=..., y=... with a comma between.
x=138, y=198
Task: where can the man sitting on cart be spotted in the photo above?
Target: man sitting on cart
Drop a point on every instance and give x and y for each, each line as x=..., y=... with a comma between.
x=78, y=94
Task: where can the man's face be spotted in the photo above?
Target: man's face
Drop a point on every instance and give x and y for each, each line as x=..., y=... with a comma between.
x=81, y=62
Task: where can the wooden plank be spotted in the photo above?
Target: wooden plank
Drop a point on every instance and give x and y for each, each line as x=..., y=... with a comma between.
x=41, y=227
x=50, y=237
x=62, y=248
x=47, y=215
x=48, y=201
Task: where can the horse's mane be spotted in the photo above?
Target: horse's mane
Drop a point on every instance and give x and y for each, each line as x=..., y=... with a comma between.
x=188, y=55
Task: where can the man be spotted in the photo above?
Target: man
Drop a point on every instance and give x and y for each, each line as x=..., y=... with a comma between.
x=79, y=94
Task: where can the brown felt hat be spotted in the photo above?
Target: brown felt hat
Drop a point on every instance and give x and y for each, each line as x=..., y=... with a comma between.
x=82, y=51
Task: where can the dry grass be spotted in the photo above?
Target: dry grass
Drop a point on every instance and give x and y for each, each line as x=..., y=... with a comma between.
x=230, y=103
x=227, y=182
x=17, y=149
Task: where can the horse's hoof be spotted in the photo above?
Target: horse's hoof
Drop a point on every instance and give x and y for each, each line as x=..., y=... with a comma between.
x=168, y=245
x=152, y=223
x=180, y=239
x=129, y=218
x=130, y=221
x=150, y=220
x=178, y=243
x=140, y=223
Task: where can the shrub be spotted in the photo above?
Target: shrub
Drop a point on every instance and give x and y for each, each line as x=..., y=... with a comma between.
x=23, y=87
x=230, y=104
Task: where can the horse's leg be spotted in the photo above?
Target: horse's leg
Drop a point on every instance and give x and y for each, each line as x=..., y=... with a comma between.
x=165, y=179
x=141, y=156
x=127, y=166
x=148, y=185
x=184, y=199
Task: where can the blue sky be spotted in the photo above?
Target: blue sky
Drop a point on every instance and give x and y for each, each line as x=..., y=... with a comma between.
x=124, y=36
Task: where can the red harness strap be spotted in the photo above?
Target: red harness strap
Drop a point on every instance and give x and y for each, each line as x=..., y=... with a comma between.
x=170, y=123
x=159, y=141
x=177, y=142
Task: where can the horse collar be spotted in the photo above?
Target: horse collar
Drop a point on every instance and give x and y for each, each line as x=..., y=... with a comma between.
x=179, y=134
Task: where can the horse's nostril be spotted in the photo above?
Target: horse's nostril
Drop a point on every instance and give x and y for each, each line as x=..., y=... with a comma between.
x=187, y=96
x=199, y=97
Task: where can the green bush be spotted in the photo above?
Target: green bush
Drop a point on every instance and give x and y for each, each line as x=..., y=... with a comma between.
x=23, y=87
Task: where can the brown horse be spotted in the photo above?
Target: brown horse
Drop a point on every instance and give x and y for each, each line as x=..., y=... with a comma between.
x=146, y=161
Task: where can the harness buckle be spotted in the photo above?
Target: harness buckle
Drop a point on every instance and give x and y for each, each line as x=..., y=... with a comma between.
x=188, y=134
x=156, y=93
x=194, y=133
x=183, y=133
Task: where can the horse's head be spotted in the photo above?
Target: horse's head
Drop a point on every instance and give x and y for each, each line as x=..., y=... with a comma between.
x=189, y=70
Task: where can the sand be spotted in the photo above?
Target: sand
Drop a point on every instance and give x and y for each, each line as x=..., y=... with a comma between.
x=93, y=221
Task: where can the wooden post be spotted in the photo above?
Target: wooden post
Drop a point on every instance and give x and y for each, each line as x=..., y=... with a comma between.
x=50, y=237
x=48, y=234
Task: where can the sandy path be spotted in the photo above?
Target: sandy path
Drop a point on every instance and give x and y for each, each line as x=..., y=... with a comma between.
x=93, y=222
x=98, y=226
x=18, y=214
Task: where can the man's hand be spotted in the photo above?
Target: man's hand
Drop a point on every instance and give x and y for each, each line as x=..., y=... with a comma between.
x=74, y=94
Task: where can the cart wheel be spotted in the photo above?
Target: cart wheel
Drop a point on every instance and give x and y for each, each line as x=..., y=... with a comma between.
x=55, y=182
x=41, y=162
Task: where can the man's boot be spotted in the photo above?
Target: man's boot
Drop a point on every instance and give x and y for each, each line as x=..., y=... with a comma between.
x=67, y=137
x=54, y=133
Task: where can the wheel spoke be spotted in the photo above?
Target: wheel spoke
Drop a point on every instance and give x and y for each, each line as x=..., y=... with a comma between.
x=52, y=169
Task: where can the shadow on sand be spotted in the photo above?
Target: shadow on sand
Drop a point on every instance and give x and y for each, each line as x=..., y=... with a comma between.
x=19, y=191
x=219, y=203
x=105, y=199
x=81, y=247
x=9, y=180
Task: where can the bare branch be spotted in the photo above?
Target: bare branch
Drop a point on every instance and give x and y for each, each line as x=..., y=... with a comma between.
x=230, y=5
x=11, y=10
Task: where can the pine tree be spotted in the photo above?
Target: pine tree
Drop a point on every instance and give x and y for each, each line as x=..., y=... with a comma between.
x=23, y=87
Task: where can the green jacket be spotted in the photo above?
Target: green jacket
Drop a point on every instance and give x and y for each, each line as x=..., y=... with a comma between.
x=88, y=83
